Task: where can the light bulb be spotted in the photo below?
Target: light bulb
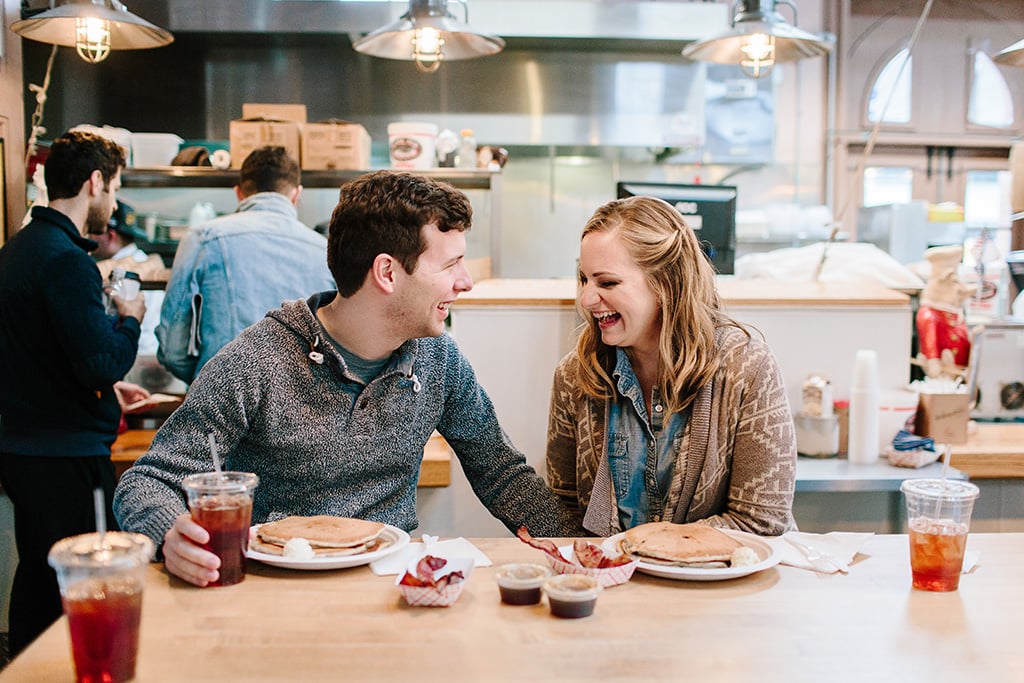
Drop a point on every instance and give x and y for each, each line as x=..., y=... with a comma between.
x=426, y=49
x=92, y=39
x=758, y=54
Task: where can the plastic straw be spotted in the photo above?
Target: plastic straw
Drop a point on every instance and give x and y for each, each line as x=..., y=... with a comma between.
x=213, y=452
x=99, y=507
x=945, y=468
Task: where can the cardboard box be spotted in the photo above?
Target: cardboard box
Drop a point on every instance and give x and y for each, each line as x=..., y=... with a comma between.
x=275, y=112
x=249, y=134
x=943, y=417
x=335, y=144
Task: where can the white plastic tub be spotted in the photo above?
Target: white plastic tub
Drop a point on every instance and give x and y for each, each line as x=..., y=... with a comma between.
x=412, y=145
x=154, y=149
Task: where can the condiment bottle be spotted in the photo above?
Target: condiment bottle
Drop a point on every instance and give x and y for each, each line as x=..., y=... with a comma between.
x=467, y=149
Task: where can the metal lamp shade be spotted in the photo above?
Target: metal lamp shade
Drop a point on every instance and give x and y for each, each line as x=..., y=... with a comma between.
x=755, y=17
x=1011, y=56
x=394, y=41
x=127, y=31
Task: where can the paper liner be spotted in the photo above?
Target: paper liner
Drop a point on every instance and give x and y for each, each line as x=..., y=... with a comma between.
x=426, y=596
x=612, y=576
x=914, y=459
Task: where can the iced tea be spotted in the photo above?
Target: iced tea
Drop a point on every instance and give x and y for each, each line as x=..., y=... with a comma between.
x=103, y=617
x=936, y=553
x=221, y=503
x=226, y=518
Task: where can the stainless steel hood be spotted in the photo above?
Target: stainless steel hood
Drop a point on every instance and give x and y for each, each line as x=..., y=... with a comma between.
x=575, y=73
x=646, y=20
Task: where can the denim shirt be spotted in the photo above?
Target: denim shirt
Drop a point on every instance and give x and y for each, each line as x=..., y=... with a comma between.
x=641, y=450
x=229, y=272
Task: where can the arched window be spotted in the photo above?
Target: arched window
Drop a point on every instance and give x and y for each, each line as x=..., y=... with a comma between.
x=990, y=104
x=894, y=80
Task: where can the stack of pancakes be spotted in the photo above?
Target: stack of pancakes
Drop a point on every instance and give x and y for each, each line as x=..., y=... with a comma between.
x=327, y=536
x=679, y=545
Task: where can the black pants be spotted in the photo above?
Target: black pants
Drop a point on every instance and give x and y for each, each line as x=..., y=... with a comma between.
x=53, y=499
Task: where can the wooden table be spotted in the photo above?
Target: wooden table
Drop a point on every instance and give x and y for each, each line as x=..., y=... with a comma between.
x=782, y=624
x=435, y=470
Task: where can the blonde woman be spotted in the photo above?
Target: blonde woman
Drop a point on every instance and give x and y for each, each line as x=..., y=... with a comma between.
x=667, y=410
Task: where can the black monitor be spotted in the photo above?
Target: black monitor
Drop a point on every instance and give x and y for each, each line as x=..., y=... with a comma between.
x=709, y=209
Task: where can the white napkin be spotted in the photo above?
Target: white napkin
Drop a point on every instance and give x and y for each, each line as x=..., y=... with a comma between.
x=455, y=547
x=971, y=558
x=842, y=545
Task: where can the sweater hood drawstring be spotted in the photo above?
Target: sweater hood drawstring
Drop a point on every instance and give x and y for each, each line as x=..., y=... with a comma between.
x=405, y=365
x=315, y=355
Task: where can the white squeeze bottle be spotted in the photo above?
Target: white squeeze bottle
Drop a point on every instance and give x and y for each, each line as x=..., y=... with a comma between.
x=467, y=149
x=864, y=405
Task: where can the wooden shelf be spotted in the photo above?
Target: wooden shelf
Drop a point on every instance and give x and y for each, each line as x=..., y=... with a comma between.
x=435, y=470
x=204, y=176
x=994, y=451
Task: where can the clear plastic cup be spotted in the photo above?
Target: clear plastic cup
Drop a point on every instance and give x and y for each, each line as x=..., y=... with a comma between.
x=938, y=519
x=520, y=584
x=572, y=596
x=101, y=588
x=221, y=503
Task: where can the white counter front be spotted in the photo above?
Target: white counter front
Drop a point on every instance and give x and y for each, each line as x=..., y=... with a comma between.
x=811, y=327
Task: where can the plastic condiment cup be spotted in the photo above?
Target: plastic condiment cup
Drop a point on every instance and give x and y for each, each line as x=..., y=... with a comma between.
x=101, y=588
x=221, y=503
x=519, y=584
x=572, y=596
x=938, y=518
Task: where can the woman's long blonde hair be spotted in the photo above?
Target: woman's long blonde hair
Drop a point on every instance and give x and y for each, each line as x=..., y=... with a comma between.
x=660, y=242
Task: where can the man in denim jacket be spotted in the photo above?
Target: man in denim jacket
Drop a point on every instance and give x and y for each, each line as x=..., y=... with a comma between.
x=331, y=399
x=230, y=271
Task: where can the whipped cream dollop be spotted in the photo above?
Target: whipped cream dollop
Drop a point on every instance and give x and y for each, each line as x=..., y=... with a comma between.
x=744, y=557
x=299, y=549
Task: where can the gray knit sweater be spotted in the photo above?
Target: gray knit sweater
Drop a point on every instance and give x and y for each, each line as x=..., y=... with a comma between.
x=273, y=400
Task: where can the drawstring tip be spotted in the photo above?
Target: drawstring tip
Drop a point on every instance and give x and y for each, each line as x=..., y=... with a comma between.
x=315, y=355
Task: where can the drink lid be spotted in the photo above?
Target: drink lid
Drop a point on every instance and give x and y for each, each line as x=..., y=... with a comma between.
x=940, y=489
x=119, y=550
x=213, y=483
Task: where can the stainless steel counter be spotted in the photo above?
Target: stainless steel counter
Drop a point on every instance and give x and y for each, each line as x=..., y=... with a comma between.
x=840, y=475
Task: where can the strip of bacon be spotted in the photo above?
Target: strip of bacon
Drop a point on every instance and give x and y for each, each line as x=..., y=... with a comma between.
x=587, y=554
x=424, y=576
x=539, y=543
x=592, y=556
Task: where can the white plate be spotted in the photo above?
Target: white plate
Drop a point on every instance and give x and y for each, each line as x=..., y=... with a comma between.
x=769, y=558
x=396, y=538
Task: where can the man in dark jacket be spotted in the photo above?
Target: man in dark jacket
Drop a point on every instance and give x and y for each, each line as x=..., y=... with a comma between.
x=60, y=357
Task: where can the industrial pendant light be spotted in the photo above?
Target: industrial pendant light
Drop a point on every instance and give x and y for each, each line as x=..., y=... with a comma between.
x=428, y=34
x=93, y=28
x=1011, y=56
x=759, y=38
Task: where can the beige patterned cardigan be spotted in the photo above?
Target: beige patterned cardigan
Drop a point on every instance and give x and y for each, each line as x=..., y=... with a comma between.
x=737, y=458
